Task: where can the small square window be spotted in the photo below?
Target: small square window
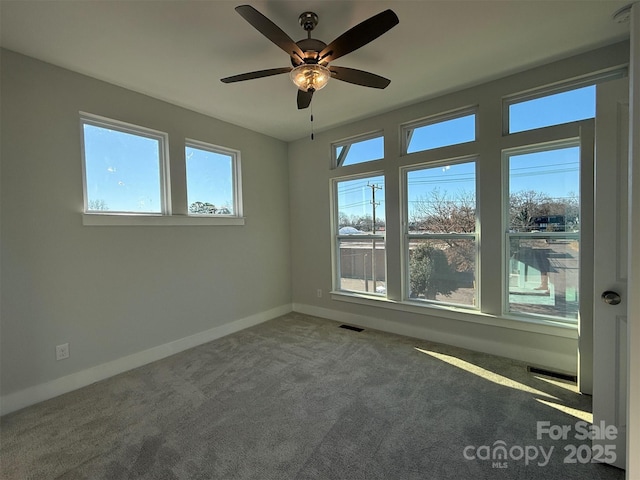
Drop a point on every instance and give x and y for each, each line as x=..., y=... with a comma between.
x=212, y=180
x=125, y=168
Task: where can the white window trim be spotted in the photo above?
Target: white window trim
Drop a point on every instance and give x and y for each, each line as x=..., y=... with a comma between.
x=553, y=89
x=506, y=154
x=496, y=316
x=166, y=217
x=407, y=236
x=236, y=178
x=336, y=237
x=163, y=153
x=126, y=220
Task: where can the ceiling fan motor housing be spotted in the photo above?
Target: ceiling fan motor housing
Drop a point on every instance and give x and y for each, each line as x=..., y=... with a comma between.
x=308, y=21
x=311, y=47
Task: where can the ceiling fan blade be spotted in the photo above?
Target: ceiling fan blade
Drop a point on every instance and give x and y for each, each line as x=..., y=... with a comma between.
x=304, y=99
x=270, y=30
x=359, y=77
x=257, y=74
x=360, y=35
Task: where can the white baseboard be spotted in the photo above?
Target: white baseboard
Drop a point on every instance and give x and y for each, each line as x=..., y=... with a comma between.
x=29, y=396
x=556, y=361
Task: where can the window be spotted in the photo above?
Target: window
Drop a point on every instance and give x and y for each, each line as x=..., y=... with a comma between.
x=360, y=228
x=441, y=244
x=362, y=149
x=543, y=239
x=125, y=168
x=212, y=174
x=531, y=213
x=126, y=178
x=555, y=109
x=440, y=131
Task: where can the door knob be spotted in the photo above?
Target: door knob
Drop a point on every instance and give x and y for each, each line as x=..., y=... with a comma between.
x=612, y=298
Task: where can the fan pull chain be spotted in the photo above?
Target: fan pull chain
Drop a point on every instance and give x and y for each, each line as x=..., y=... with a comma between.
x=312, y=136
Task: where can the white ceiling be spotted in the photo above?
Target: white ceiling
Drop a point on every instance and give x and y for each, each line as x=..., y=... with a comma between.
x=178, y=50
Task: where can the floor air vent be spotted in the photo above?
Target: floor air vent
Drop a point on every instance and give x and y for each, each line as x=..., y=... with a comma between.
x=349, y=327
x=552, y=374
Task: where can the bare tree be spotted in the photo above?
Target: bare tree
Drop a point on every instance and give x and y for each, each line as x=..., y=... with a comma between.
x=438, y=212
x=530, y=208
x=441, y=213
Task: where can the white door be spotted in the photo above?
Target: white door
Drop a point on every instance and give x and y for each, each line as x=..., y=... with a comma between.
x=610, y=273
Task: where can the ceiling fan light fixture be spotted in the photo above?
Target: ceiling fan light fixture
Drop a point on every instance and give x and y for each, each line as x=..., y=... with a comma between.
x=310, y=76
x=315, y=55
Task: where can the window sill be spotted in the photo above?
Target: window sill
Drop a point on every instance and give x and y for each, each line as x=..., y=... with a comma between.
x=99, y=219
x=534, y=325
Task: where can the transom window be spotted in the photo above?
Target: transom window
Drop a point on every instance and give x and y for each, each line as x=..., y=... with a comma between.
x=125, y=168
x=553, y=109
x=365, y=148
x=439, y=131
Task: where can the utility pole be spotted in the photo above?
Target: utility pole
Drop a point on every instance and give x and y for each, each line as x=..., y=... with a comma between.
x=373, y=188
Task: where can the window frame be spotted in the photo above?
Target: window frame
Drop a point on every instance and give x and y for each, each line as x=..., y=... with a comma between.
x=569, y=142
x=487, y=152
x=163, y=163
x=337, y=238
x=553, y=89
x=167, y=217
x=337, y=162
x=236, y=184
x=408, y=236
x=405, y=128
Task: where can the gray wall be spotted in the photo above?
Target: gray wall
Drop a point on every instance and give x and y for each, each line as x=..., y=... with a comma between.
x=310, y=173
x=112, y=291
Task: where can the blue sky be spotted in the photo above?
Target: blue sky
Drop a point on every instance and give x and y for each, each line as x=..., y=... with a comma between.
x=577, y=104
x=555, y=173
x=122, y=170
x=355, y=197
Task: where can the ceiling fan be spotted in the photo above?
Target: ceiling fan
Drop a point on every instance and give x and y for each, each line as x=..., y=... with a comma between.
x=310, y=58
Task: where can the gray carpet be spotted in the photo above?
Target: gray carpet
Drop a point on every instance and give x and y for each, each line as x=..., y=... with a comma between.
x=300, y=398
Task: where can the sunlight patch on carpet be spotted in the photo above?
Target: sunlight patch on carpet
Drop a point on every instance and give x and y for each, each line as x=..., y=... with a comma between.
x=574, y=412
x=485, y=374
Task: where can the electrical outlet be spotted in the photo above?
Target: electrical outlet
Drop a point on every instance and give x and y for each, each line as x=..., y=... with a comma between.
x=319, y=293
x=62, y=351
